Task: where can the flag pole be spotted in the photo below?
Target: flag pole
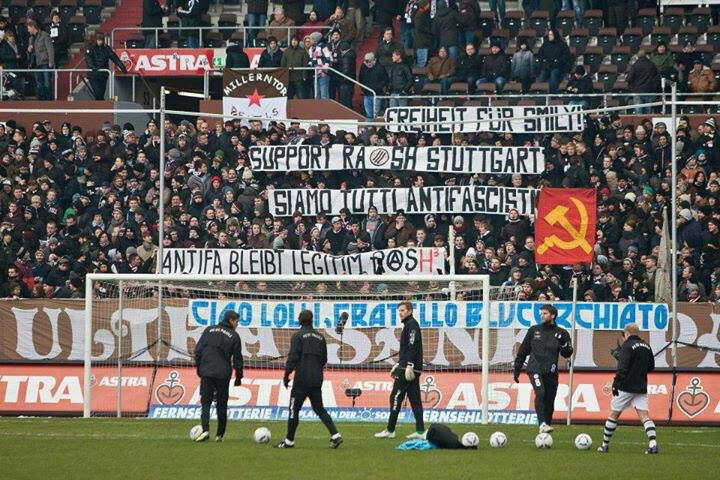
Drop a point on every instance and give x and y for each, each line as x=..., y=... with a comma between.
x=572, y=342
x=673, y=243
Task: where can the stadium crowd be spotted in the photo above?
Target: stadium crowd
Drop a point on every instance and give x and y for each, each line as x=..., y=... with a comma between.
x=74, y=202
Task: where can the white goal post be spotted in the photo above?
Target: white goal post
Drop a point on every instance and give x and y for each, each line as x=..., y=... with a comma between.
x=121, y=291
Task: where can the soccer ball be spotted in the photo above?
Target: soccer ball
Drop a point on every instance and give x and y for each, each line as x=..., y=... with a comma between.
x=583, y=441
x=470, y=439
x=195, y=432
x=498, y=440
x=262, y=435
x=543, y=440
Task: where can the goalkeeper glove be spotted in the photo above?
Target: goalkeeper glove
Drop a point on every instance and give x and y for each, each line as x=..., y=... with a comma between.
x=516, y=376
x=394, y=369
x=238, y=377
x=615, y=392
x=409, y=372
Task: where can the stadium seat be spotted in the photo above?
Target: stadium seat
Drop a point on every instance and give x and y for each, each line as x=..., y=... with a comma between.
x=76, y=29
x=593, y=58
x=501, y=36
x=565, y=22
x=431, y=88
x=660, y=35
x=42, y=9
x=540, y=88
x=607, y=74
x=579, y=40
x=485, y=89
x=700, y=18
x=688, y=34
x=228, y=20
x=419, y=102
x=620, y=56
x=513, y=22
x=529, y=35
x=92, y=10
x=487, y=23
x=707, y=53
x=715, y=67
x=713, y=36
x=692, y=109
x=673, y=18
x=478, y=102
x=107, y=3
x=459, y=88
x=593, y=21
x=598, y=87
x=539, y=22
x=500, y=103
x=632, y=38
x=135, y=42
x=646, y=20
x=67, y=10
x=512, y=88
x=620, y=87
x=165, y=40
x=17, y=10
x=528, y=102
x=607, y=39
x=213, y=39
x=446, y=103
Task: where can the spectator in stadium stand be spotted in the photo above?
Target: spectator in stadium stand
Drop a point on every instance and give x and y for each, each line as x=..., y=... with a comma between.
x=256, y=17
x=236, y=56
x=400, y=80
x=386, y=47
x=441, y=69
x=313, y=24
x=279, y=27
x=153, y=14
x=385, y=13
x=293, y=58
x=616, y=15
x=643, y=79
x=664, y=62
x=190, y=16
x=345, y=25
x=469, y=20
x=41, y=56
x=59, y=36
x=555, y=59
x=347, y=63
x=522, y=65
x=497, y=7
x=321, y=58
x=423, y=39
x=685, y=62
x=701, y=79
x=334, y=46
x=446, y=29
x=580, y=84
x=496, y=68
x=295, y=10
x=374, y=76
x=400, y=230
x=407, y=27
x=469, y=65
x=271, y=57
x=10, y=60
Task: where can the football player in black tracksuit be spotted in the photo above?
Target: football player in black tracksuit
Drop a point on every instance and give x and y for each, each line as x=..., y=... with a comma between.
x=217, y=353
x=407, y=375
x=629, y=388
x=543, y=343
x=307, y=358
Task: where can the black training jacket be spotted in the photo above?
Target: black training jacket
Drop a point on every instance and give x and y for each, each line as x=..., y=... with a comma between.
x=635, y=361
x=411, y=349
x=218, y=351
x=543, y=343
x=307, y=357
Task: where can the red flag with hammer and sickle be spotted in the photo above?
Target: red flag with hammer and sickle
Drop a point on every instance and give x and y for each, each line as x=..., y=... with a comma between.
x=565, y=227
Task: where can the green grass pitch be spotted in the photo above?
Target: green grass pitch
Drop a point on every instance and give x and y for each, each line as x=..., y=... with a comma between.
x=129, y=449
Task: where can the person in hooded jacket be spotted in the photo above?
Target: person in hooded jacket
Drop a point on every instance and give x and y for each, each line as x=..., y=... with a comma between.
x=523, y=65
x=445, y=27
x=555, y=58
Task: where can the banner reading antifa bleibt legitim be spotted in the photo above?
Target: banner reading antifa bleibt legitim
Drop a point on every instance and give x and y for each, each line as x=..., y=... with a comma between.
x=516, y=119
x=441, y=158
x=416, y=200
x=209, y=261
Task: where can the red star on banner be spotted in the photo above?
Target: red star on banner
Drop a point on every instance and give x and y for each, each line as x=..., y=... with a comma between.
x=255, y=98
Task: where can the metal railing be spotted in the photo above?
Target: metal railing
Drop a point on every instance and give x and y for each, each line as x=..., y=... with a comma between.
x=56, y=72
x=316, y=70
x=201, y=29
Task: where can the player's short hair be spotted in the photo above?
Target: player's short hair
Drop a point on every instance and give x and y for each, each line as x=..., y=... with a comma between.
x=231, y=315
x=550, y=309
x=632, y=329
x=407, y=304
x=305, y=317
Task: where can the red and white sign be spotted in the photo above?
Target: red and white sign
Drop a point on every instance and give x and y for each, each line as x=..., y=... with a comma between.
x=167, y=61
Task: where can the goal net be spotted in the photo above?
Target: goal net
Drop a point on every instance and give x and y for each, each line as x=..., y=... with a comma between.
x=141, y=331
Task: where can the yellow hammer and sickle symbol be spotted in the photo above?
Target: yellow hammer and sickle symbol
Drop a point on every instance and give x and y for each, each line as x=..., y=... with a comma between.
x=557, y=216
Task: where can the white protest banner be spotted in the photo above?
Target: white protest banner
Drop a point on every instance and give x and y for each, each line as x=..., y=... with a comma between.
x=443, y=158
x=208, y=261
x=416, y=200
x=559, y=119
x=429, y=314
x=255, y=94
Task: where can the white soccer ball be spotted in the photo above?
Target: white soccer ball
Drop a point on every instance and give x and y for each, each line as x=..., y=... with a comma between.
x=195, y=432
x=543, y=440
x=470, y=439
x=262, y=435
x=498, y=440
x=583, y=441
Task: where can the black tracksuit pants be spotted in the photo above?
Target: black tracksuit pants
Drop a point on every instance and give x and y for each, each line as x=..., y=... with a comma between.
x=401, y=388
x=545, y=386
x=297, y=398
x=218, y=389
